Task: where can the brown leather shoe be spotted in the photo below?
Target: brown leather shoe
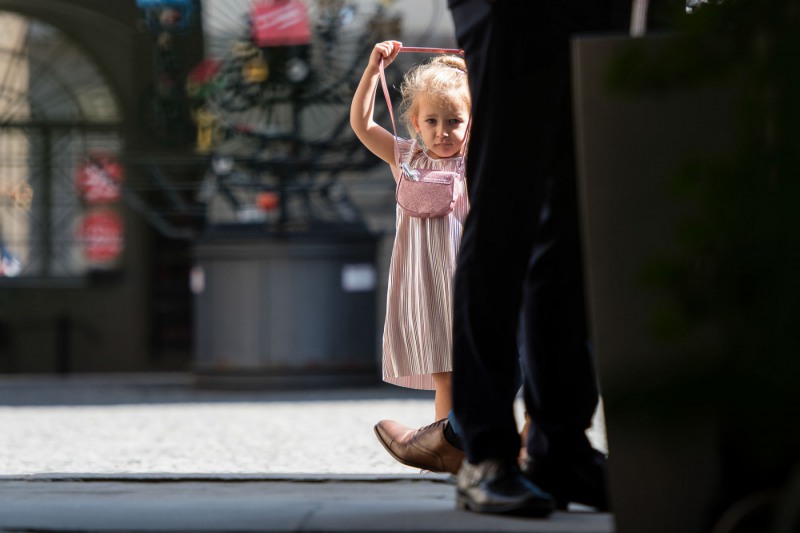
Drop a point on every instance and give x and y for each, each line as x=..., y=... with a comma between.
x=424, y=448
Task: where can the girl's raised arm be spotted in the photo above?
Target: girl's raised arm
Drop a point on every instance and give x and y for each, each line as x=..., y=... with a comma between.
x=375, y=137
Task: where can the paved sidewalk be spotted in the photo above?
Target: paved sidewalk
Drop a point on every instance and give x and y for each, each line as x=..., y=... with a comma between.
x=332, y=503
x=152, y=453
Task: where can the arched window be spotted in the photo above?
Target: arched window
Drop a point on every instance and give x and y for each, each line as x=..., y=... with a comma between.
x=56, y=110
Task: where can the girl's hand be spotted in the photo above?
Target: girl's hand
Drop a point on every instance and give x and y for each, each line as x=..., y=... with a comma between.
x=375, y=137
x=387, y=50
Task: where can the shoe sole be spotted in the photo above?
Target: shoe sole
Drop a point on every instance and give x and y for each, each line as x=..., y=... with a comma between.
x=594, y=496
x=542, y=510
x=404, y=462
x=563, y=499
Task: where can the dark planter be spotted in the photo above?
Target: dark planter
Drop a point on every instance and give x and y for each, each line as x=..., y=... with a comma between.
x=664, y=462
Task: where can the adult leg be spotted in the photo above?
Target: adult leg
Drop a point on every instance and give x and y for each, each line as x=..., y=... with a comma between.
x=506, y=172
x=505, y=194
x=561, y=389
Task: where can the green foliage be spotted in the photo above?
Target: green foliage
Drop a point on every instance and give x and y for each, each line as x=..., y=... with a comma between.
x=737, y=271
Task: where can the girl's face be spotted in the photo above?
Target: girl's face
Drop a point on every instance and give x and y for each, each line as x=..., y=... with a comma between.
x=442, y=129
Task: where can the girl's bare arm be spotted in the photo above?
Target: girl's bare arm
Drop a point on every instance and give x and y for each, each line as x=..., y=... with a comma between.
x=375, y=137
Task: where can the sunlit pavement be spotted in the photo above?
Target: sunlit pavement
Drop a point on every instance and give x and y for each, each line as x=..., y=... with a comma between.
x=154, y=453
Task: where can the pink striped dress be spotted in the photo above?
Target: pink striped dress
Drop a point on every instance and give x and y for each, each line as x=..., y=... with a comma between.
x=417, y=333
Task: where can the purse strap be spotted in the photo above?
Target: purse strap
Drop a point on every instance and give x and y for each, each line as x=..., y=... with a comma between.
x=381, y=69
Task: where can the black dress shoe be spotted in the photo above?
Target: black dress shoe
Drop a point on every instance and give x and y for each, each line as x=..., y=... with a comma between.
x=582, y=481
x=496, y=486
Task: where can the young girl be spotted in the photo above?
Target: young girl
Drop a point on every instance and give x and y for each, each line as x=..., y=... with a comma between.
x=417, y=333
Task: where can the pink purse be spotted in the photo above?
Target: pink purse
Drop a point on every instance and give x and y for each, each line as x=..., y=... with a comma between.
x=423, y=193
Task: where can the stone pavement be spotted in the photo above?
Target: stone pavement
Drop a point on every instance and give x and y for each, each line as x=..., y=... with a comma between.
x=153, y=453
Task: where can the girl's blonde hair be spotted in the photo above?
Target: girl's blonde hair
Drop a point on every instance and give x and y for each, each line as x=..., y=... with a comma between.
x=443, y=79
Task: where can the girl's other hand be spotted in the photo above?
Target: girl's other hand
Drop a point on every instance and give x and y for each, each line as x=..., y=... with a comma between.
x=386, y=50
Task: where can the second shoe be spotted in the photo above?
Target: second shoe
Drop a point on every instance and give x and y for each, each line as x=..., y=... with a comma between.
x=497, y=486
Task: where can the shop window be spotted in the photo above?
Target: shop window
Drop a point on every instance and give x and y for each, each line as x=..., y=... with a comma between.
x=57, y=116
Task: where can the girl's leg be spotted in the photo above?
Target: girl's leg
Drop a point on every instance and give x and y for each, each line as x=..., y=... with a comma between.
x=443, y=400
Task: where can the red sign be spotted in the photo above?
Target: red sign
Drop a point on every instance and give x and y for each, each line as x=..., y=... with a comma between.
x=267, y=200
x=102, y=234
x=99, y=178
x=280, y=23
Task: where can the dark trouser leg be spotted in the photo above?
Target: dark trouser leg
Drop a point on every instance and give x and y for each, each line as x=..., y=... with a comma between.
x=520, y=163
x=560, y=387
x=504, y=194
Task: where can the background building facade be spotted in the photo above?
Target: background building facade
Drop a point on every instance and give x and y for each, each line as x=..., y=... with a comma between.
x=116, y=149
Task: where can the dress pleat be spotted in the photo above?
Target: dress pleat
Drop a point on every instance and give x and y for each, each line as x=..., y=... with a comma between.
x=417, y=333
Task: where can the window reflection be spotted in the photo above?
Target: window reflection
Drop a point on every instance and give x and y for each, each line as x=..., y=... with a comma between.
x=55, y=108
